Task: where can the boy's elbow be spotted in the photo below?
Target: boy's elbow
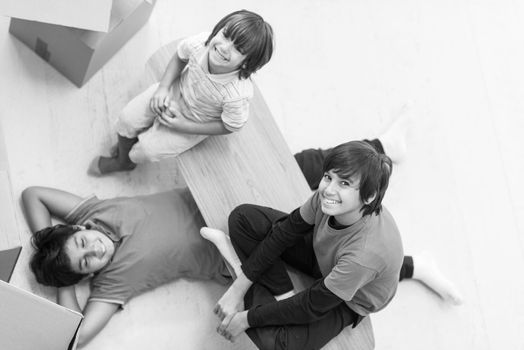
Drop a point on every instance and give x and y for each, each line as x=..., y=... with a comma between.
x=28, y=194
x=83, y=338
x=228, y=129
x=224, y=130
x=80, y=342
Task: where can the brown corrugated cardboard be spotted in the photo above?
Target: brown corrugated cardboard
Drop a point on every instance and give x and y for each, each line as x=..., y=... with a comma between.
x=78, y=54
x=8, y=259
x=31, y=322
x=85, y=14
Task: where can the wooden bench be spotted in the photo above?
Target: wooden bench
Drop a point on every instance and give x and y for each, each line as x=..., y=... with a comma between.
x=253, y=165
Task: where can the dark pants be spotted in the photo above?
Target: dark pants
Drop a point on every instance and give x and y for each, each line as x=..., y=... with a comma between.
x=310, y=162
x=248, y=226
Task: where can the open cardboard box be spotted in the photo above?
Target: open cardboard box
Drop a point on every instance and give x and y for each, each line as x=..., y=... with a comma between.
x=78, y=53
x=84, y=14
x=31, y=322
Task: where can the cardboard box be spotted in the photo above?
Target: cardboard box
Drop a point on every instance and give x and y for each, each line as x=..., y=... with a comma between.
x=78, y=54
x=85, y=14
x=8, y=259
x=30, y=322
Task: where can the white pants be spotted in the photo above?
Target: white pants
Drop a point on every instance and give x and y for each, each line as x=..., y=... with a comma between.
x=155, y=141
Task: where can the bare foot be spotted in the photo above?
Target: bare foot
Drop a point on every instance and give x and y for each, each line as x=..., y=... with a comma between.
x=224, y=246
x=394, y=138
x=426, y=271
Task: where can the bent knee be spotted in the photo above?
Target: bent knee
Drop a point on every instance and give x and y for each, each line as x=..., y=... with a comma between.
x=126, y=128
x=237, y=218
x=141, y=153
x=240, y=211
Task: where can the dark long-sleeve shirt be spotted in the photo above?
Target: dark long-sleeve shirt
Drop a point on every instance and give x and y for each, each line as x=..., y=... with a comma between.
x=305, y=307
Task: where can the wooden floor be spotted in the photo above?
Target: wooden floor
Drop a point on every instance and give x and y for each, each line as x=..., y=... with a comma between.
x=340, y=71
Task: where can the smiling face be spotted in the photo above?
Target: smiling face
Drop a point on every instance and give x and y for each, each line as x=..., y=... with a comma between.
x=341, y=198
x=223, y=57
x=89, y=251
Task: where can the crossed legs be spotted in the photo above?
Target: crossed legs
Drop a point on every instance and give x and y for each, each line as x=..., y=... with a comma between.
x=248, y=226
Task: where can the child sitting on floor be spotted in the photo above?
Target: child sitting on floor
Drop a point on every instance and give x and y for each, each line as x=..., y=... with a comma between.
x=342, y=236
x=205, y=90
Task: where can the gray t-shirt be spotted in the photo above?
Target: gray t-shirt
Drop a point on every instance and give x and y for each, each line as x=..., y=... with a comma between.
x=360, y=263
x=157, y=239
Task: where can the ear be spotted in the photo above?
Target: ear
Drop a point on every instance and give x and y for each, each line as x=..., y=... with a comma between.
x=370, y=198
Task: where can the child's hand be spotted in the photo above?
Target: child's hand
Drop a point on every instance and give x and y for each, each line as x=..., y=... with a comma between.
x=229, y=304
x=171, y=116
x=160, y=100
x=230, y=329
x=168, y=120
x=172, y=120
x=172, y=109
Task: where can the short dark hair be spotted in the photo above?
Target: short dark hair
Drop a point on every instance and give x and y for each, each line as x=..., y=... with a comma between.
x=49, y=262
x=359, y=158
x=251, y=35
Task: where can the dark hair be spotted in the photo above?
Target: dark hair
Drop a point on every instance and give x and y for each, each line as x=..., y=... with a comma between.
x=49, y=262
x=251, y=35
x=359, y=158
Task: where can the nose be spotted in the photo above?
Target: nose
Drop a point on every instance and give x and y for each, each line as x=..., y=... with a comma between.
x=93, y=250
x=330, y=188
x=226, y=45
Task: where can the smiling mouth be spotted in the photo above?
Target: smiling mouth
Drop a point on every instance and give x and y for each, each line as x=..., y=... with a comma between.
x=330, y=201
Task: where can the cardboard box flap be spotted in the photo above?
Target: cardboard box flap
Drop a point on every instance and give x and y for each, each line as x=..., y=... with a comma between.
x=31, y=322
x=120, y=11
x=8, y=259
x=85, y=14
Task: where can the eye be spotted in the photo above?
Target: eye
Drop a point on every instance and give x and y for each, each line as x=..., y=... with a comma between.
x=345, y=183
x=327, y=177
x=83, y=243
x=240, y=50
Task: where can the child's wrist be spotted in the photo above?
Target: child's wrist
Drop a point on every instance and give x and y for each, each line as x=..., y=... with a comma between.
x=244, y=318
x=242, y=283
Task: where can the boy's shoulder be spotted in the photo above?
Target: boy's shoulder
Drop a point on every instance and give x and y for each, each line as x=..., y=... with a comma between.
x=243, y=89
x=383, y=241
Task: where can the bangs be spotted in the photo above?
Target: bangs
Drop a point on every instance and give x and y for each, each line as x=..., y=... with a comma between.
x=244, y=34
x=347, y=174
x=344, y=166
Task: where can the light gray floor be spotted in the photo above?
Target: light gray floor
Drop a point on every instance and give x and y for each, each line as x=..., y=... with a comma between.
x=340, y=71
